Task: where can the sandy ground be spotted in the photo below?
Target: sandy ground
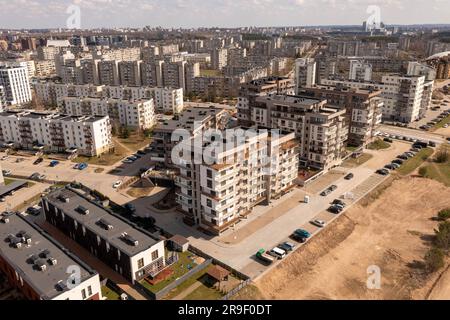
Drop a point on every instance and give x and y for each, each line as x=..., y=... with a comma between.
x=443, y=132
x=391, y=233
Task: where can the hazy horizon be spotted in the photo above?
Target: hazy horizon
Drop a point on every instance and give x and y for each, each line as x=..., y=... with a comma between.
x=46, y=14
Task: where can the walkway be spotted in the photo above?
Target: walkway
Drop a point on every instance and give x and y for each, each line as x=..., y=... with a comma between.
x=188, y=291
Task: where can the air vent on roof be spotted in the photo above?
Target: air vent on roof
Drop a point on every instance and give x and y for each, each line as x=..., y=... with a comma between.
x=82, y=210
x=14, y=241
x=64, y=198
x=40, y=265
x=5, y=220
x=24, y=237
x=105, y=224
x=45, y=254
x=52, y=261
x=61, y=286
x=130, y=240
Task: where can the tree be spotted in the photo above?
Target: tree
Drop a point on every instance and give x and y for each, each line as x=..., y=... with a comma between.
x=125, y=133
x=434, y=259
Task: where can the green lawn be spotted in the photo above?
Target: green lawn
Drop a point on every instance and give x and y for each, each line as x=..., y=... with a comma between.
x=110, y=294
x=209, y=73
x=378, y=145
x=180, y=268
x=8, y=181
x=439, y=172
x=204, y=293
x=189, y=282
x=412, y=164
x=356, y=162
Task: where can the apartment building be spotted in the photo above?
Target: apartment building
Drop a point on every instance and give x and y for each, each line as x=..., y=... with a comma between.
x=363, y=109
x=49, y=93
x=321, y=130
x=16, y=84
x=151, y=73
x=39, y=267
x=89, y=135
x=260, y=87
x=139, y=114
x=44, y=68
x=420, y=69
x=402, y=95
x=2, y=98
x=108, y=72
x=305, y=73
x=194, y=120
x=257, y=168
x=125, y=248
x=219, y=58
x=130, y=73
x=360, y=71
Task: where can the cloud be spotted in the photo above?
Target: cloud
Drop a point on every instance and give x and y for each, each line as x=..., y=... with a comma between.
x=232, y=13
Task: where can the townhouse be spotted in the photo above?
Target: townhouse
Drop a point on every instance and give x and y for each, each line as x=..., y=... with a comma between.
x=39, y=267
x=130, y=251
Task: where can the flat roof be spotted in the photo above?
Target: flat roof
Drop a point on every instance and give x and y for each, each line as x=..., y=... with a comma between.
x=187, y=119
x=43, y=282
x=12, y=187
x=97, y=217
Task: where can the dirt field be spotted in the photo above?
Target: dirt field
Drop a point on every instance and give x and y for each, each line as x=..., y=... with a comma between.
x=443, y=132
x=392, y=232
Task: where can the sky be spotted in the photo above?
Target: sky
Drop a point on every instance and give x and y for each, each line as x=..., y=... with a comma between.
x=19, y=14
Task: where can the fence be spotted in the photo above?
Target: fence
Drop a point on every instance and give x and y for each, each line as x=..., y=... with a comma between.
x=233, y=292
x=112, y=285
x=166, y=290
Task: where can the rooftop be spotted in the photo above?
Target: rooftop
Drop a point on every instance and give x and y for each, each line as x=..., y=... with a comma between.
x=27, y=248
x=113, y=229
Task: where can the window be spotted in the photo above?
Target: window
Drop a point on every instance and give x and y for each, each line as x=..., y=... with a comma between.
x=83, y=294
x=140, y=263
x=209, y=184
x=155, y=255
x=89, y=291
x=209, y=203
x=209, y=174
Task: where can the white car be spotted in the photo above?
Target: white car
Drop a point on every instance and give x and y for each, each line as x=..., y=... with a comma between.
x=319, y=223
x=117, y=184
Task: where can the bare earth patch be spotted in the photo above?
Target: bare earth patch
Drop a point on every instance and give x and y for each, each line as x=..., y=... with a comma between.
x=393, y=233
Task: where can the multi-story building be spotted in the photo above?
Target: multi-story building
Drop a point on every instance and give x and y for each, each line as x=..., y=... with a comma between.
x=219, y=58
x=218, y=192
x=89, y=135
x=363, y=107
x=130, y=73
x=195, y=120
x=139, y=114
x=360, y=71
x=16, y=84
x=39, y=267
x=90, y=72
x=2, y=98
x=44, y=68
x=125, y=248
x=151, y=73
x=305, y=73
x=260, y=87
x=108, y=72
x=322, y=130
x=49, y=93
x=402, y=95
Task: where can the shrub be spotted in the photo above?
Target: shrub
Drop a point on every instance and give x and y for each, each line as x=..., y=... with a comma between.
x=444, y=214
x=443, y=235
x=434, y=260
x=442, y=156
x=423, y=171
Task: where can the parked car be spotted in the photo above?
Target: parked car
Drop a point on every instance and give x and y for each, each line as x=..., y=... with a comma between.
x=127, y=161
x=287, y=246
x=432, y=144
x=6, y=172
x=403, y=157
x=325, y=193
x=398, y=161
x=264, y=257
x=130, y=207
x=390, y=167
x=335, y=209
x=333, y=188
x=34, y=211
x=278, y=253
x=117, y=184
x=38, y=161
x=395, y=165
x=337, y=201
x=350, y=176
x=389, y=140
x=302, y=233
x=54, y=163
x=319, y=223
x=383, y=172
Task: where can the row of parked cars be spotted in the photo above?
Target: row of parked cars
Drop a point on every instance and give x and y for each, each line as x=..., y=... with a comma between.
x=131, y=159
x=434, y=122
x=400, y=160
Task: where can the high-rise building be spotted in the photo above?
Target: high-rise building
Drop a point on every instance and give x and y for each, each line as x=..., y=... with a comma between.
x=219, y=58
x=419, y=69
x=108, y=72
x=305, y=73
x=16, y=84
x=130, y=73
x=360, y=71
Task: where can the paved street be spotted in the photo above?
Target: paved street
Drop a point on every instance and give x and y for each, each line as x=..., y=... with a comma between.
x=412, y=133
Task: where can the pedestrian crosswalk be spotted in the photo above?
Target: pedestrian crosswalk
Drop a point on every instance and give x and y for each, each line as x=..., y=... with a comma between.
x=368, y=185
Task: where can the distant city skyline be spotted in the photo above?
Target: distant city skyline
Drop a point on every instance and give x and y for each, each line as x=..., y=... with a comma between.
x=35, y=14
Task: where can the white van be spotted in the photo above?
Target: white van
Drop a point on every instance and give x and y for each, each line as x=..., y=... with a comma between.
x=278, y=253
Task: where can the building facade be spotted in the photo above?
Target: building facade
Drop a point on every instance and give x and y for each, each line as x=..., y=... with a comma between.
x=16, y=84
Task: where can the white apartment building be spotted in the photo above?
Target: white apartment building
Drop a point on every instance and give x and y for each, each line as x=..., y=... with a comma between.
x=419, y=69
x=49, y=93
x=403, y=96
x=360, y=71
x=16, y=84
x=218, y=192
x=305, y=73
x=2, y=98
x=45, y=68
x=89, y=135
x=139, y=114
